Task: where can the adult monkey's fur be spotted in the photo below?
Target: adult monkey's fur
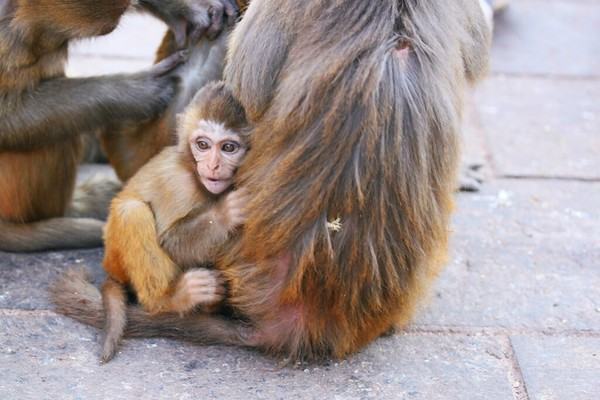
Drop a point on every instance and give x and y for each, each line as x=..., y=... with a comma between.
x=357, y=109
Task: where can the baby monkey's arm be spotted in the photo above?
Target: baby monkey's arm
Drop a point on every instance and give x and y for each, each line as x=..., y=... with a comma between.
x=197, y=238
x=133, y=247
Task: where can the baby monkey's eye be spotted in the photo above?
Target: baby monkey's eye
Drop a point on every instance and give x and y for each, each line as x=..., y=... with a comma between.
x=230, y=147
x=202, y=145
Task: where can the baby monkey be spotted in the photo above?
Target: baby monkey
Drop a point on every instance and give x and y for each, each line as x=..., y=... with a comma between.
x=175, y=215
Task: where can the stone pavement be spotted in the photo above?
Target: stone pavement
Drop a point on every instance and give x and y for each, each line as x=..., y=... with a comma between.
x=515, y=315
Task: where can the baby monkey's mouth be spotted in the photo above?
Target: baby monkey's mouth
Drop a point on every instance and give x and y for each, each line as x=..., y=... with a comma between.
x=218, y=179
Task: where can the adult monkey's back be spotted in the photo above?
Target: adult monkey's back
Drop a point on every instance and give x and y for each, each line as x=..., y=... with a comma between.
x=357, y=108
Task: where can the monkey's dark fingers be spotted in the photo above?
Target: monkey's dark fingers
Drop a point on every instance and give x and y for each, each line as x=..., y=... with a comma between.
x=197, y=31
x=216, y=13
x=169, y=63
x=231, y=11
x=179, y=29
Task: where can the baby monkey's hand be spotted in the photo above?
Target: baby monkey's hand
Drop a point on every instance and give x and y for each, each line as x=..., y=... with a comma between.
x=234, y=208
x=196, y=287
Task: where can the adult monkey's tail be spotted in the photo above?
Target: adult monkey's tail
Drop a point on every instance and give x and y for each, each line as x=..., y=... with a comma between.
x=50, y=234
x=75, y=296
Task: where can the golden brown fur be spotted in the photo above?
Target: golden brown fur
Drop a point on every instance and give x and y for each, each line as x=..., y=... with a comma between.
x=164, y=222
x=356, y=108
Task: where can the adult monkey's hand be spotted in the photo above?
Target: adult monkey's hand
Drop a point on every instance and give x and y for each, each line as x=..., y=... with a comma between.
x=191, y=19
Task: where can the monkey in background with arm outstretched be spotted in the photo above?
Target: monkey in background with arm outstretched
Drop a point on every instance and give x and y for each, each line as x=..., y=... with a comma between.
x=44, y=115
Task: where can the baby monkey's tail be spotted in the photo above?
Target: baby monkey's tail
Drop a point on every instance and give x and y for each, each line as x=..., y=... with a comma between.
x=114, y=300
x=76, y=297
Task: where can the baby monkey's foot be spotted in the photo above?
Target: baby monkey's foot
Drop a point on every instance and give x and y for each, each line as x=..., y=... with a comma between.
x=197, y=287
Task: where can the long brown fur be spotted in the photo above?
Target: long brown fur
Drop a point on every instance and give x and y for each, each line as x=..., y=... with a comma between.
x=356, y=107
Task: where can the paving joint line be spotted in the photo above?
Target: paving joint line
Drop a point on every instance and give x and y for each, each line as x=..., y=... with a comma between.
x=548, y=178
x=544, y=76
x=442, y=330
x=439, y=330
x=515, y=374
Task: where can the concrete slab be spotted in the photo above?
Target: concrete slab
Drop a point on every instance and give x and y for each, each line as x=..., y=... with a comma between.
x=548, y=37
x=475, y=167
x=542, y=127
x=24, y=278
x=474, y=146
x=557, y=368
x=526, y=254
x=53, y=357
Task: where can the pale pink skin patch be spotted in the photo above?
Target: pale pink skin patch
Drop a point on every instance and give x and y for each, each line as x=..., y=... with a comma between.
x=218, y=152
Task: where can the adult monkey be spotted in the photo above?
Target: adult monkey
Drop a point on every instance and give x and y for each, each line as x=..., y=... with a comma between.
x=43, y=114
x=356, y=107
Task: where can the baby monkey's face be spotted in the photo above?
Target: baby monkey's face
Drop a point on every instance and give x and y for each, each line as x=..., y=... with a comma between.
x=218, y=153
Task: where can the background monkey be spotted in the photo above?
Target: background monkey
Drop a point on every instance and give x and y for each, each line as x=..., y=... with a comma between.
x=356, y=108
x=174, y=215
x=43, y=114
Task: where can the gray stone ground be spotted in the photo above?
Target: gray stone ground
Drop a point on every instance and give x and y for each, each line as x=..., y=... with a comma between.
x=516, y=314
